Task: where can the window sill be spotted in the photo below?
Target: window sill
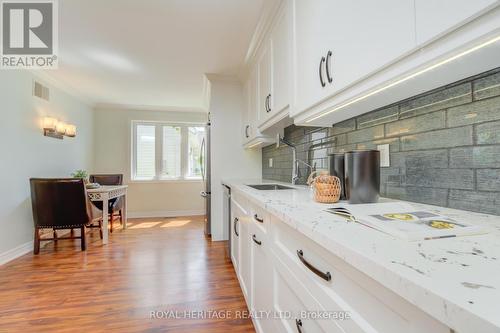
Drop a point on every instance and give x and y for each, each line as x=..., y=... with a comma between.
x=166, y=181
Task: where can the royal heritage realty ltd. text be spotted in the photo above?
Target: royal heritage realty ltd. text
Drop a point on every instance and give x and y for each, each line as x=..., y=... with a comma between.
x=244, y=314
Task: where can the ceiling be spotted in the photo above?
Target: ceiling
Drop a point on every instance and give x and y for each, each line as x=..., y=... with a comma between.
x=151, y=53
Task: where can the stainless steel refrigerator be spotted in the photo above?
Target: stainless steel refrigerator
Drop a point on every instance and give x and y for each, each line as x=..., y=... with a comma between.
x=205, y=173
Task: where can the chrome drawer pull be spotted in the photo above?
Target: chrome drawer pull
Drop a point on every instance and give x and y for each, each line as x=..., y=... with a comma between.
x=256, y=217
x=298, y=323
x=325, y=276
x=255, y=240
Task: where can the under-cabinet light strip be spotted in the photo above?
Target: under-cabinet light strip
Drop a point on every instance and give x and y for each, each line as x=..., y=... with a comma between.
x=255, y=144
x=406, y=78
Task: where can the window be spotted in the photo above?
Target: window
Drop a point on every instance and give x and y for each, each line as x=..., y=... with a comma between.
x=171, y=155
x=162, y=151
x=195, y=142
x=145, y=161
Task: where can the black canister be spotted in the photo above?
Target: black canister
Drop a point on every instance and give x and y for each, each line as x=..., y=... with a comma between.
x=336, y=168
x=362, y=176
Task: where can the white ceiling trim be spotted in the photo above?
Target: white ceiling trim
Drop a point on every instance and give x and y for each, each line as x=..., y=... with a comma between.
x=118, y=107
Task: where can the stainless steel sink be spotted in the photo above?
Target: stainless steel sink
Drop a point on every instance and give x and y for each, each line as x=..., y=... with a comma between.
x=270, y=187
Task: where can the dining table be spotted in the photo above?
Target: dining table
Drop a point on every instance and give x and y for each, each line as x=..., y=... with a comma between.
x=105, y=193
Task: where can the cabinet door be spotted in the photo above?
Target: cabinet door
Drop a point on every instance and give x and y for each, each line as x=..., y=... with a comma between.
x=262, y=282
x=246, y=112
x=265, y=82
x=281, y=54
x=236, y=215
x=434, y=18
x=361, y=35
x=253, y=110
x=246, y=259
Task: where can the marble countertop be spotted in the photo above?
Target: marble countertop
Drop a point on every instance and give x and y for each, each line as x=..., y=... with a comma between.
x=455, y=280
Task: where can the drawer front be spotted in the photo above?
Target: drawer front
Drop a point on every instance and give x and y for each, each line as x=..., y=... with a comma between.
x=241, y=201
x=260, y=217
x=294, y=306
x=335, y=284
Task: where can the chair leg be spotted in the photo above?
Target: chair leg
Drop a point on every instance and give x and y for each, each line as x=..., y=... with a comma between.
x=111, y=221
x=54, y=232
x=121, y=216
x=100, y=228
x=36, y=244
x=84, y=243
x=72, y=233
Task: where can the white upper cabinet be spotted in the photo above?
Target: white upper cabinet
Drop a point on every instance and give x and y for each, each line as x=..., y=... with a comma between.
x=265, y=78
x=340, y=42
x=246, y=112
x=252, y=136
x=434, y=18
x=276, y=59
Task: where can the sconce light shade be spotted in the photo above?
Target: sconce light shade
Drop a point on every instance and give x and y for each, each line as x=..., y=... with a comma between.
x=61, y=128
x=71, y=130
x=49, y=123
x=57, y=129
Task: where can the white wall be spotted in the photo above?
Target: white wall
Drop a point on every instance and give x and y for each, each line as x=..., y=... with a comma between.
x=112, y=153
x=27, y=153
x=229, y=159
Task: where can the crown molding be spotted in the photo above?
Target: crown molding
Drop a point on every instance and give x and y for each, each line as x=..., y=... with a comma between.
x=269, y=12
x=212, y=77
x=159, y=108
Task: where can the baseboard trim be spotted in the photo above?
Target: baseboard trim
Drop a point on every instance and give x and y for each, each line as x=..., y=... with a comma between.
x=165, y=213
x=16, y=252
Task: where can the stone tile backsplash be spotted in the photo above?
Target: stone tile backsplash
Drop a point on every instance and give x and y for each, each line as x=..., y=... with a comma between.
x=444, y=145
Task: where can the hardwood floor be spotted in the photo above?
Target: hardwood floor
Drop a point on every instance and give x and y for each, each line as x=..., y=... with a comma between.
x=155, y=265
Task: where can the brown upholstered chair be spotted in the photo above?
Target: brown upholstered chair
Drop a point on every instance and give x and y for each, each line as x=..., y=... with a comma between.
x=115, y=205
x=59, y=204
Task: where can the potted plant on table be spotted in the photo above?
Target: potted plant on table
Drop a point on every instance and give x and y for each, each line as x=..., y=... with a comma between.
x=81, y=174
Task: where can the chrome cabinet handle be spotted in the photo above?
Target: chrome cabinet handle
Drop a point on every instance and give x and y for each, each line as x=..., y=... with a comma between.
x=255, y=240
x=321, y=71
x=236, y=220
x=269, y=103
x=327, y=61
x=256, y=218
x=324, y=275
x=246, y=130
x=298, y=323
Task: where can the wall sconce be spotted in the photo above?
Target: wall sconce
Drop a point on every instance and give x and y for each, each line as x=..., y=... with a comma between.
x=57, y=129
x=71, y=131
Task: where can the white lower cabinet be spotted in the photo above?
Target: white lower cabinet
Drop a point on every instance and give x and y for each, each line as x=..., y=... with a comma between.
x=245, y=261
x=236, y=215
x=306, y=288
x=262, y=280
x=295, y=309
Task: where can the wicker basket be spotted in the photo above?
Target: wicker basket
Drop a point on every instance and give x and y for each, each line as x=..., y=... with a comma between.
x=326, y=189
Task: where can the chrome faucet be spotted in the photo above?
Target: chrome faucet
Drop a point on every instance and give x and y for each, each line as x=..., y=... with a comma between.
x=295, y=161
